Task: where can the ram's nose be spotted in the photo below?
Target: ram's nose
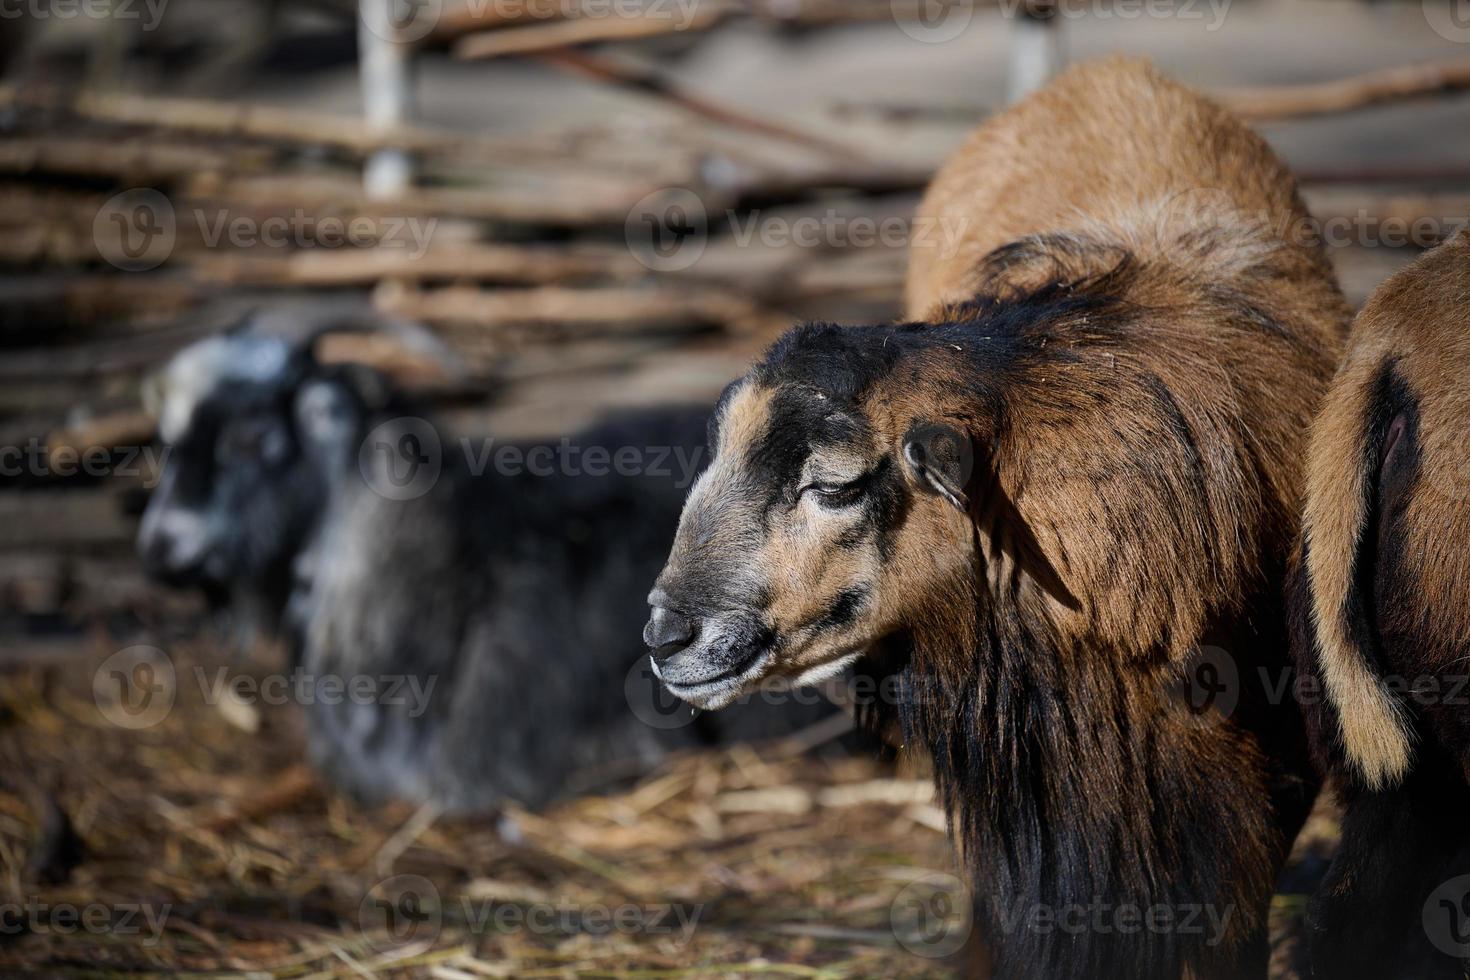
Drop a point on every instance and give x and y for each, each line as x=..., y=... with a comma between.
x=668, y=631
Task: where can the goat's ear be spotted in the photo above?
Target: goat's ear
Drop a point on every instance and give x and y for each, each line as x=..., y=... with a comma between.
x=941, y=459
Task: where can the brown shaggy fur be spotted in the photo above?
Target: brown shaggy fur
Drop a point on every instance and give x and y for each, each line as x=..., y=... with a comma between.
x=1381, y=623
x=1121, y=329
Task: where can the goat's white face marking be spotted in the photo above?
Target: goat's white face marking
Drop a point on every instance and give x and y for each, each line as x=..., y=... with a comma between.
x=198, y=370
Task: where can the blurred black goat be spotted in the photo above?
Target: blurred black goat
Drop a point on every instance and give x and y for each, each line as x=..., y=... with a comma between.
x=484, y=598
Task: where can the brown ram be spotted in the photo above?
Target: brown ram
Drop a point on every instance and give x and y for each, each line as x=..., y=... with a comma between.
x=1034, y=506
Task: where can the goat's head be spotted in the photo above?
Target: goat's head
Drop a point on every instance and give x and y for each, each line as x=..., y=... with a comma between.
x=257, y=429
x=835, y=512
x=248, y=432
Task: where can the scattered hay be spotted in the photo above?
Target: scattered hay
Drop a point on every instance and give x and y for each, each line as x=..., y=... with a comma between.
x=192, y=847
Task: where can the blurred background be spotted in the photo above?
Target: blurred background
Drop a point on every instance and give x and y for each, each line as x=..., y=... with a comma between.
x=594, y=205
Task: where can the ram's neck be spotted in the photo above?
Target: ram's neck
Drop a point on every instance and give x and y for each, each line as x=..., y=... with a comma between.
x=1107, y=833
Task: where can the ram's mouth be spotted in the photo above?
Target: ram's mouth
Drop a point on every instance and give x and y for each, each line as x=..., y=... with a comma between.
x=688, y=676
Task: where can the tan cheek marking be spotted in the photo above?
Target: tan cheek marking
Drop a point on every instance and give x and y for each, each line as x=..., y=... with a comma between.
x=747, y=417
x=807, y=571
x=932, y=549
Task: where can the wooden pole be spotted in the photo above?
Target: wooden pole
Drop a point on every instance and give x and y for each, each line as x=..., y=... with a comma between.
x=387, y=91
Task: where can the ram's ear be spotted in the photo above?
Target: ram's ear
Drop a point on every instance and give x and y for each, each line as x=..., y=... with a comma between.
x=940, y=459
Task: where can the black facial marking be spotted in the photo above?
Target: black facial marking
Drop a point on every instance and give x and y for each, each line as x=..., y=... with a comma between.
x=800, y=420
x=843, y=610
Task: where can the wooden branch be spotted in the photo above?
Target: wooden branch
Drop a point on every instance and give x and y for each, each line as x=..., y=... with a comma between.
x=627, y=309
x=1265, y=102
x=126, y=161
x=229, y=120
x=650, y=82
x=575, y=204
x=63, y=519
x=1354, y=92
x=539, y=38
x=360, y=267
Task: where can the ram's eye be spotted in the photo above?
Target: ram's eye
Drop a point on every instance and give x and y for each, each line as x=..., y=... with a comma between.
x=836, y=495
